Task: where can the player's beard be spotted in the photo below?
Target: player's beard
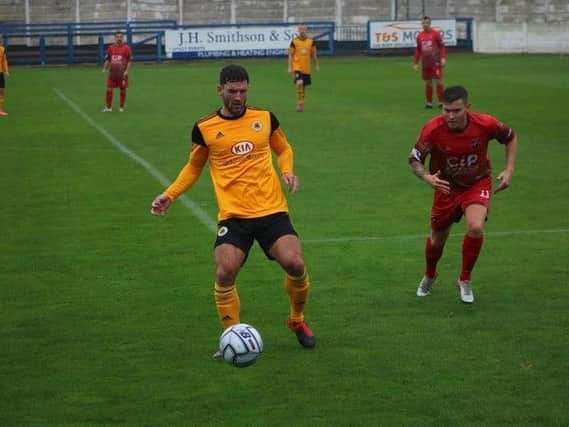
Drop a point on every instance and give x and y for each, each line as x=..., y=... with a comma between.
x=235, y=108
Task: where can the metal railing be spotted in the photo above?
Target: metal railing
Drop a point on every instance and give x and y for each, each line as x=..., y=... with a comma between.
x=62, y=43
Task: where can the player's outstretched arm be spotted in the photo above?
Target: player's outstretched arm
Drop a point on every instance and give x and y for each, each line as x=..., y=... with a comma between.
x=505, y=176
x=187, y=177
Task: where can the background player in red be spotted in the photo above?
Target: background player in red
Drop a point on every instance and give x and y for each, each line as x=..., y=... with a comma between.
x=118, y=60
x=431, y=52
x=459, y=172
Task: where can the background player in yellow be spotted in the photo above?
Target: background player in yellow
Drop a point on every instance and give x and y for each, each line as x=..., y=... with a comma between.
x=3, y=74
x=301, y=52
x=238, y=141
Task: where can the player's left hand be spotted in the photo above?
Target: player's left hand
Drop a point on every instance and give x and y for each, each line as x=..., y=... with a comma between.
x=291, y=181
x=125, y=74
x=6, y=74
x=505, y=177
x=443, y=61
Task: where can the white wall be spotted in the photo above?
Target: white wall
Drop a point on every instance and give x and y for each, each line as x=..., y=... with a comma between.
x=492, y=37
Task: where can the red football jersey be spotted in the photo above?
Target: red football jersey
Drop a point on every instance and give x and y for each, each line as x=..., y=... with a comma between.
x=118, y=57
x=461, y=156
x=430, y=48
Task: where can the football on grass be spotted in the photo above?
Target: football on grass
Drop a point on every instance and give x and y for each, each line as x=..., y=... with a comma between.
x=241, y=345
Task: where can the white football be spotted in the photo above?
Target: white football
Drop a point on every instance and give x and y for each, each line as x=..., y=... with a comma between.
x=241, y=345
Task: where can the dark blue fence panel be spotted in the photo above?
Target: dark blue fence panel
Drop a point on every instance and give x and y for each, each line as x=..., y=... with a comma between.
x=30, y=44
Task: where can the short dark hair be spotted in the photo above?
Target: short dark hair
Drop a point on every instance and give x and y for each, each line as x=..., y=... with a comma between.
x=118, y=32
x=426, y=17
x=233, y=73
x=454, y=93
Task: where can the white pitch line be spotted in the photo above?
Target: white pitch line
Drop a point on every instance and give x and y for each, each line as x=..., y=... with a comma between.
x=348, y=239
x=198, y=212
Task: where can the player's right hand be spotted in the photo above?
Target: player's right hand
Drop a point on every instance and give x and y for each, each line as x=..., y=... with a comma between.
x=415, y=67
x=160, y=205
x=437, y=183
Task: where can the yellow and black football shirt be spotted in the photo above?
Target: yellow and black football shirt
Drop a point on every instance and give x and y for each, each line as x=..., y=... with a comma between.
x=301, y=51
x=239, y=150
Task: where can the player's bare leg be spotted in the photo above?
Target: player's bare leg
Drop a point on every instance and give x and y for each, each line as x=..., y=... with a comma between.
x=228, y=262
x=287, y=251
x=433, y=251
x=300, y=95
x=429, y=94
x=475, y=216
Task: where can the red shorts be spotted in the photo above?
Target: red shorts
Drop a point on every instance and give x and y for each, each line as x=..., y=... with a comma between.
x=449, y=208
x=433, y=73
x=123, y=84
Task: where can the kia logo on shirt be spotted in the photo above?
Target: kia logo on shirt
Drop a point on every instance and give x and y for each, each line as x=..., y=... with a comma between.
x=242, y=148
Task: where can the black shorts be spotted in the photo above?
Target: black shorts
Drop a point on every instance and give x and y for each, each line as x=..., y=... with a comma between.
x=304, y=77
x=242, y=232
x=2, y=81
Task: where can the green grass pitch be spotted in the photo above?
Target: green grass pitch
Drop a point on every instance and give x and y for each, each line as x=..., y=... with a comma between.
x=107, y=315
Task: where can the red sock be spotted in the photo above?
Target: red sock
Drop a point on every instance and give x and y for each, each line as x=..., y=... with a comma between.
x=429, y=93
x=123, y=98
x=440, y=91
x=470, y=251
x=109, y=98
x=432, y=256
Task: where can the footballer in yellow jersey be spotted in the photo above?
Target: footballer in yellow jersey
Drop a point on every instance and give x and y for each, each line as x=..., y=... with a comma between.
x=3, y=74
x=239, y=144
x=238, y=141
x=301, y=53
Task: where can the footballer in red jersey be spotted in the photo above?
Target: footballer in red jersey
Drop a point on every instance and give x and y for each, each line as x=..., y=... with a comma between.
x=459, y=171
x=117, y=61
x=431, y=52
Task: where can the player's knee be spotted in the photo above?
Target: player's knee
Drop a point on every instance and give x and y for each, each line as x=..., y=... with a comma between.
x=475, y=229
x=293, y=265
x=438, y=241
x=225, y=275
x=439, y=237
